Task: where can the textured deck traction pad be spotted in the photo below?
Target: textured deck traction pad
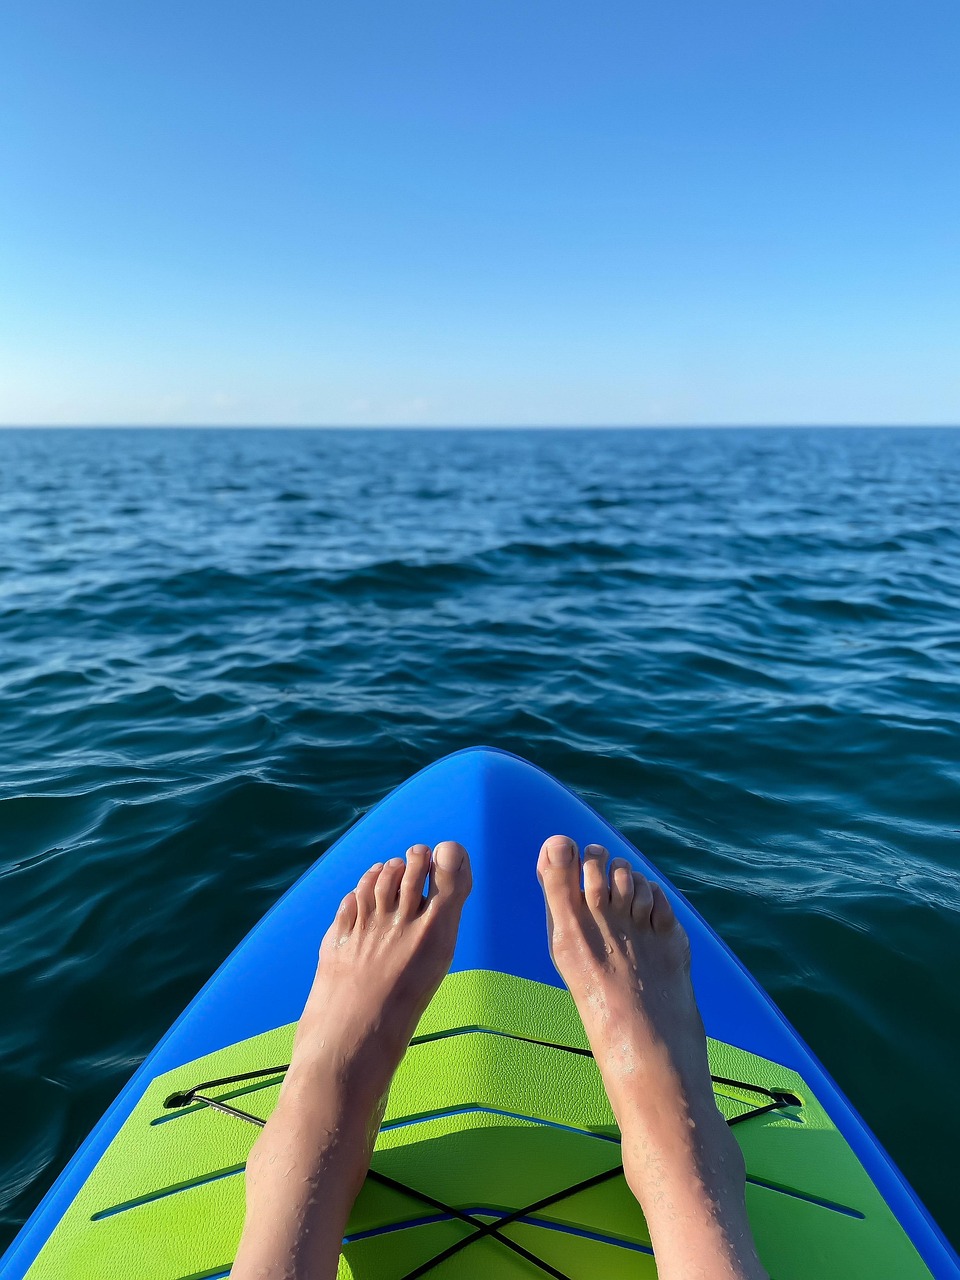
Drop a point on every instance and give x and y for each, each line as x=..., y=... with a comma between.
x=493, y=1109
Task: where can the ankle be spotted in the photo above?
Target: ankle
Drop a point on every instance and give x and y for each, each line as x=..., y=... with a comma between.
x=685, y=1147
x=659, y=1088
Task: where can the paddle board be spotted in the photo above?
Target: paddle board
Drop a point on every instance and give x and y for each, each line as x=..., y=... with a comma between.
x=498, y=1155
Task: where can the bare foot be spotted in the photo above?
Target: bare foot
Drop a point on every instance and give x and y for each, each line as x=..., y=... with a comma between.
x=626, y=960
x=380, y=963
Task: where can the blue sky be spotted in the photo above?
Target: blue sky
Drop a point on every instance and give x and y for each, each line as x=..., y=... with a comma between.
x=485, y=212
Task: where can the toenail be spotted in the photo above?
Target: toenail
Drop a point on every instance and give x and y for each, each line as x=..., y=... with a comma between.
x=448, y=856
x=595, y=850
x=560, y=851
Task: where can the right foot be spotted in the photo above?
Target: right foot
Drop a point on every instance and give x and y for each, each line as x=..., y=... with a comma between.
x=625, y=958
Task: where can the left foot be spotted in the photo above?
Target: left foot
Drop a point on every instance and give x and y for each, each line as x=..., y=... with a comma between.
x=381, y=961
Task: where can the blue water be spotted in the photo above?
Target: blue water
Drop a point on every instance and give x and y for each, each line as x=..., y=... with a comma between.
x=219, y=647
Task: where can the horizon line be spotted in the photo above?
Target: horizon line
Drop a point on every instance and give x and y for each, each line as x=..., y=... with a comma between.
x=478, y=426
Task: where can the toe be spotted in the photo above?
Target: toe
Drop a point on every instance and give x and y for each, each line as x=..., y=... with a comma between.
x=414, y=879
x=662, y=914
x=621, y=886
x=642, y=900
x=364, y=893
x=596, y=888
x=450, y=878
x=387, y=890
x=558, y=868
x=346, y=917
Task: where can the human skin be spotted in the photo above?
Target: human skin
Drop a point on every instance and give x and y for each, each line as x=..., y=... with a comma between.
x=626, y=961
x=381, y=960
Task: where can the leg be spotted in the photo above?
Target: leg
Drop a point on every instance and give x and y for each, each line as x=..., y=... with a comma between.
x=619, y=948
x=380, y=963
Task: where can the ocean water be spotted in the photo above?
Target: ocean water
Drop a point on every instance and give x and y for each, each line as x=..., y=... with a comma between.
x=218, y=648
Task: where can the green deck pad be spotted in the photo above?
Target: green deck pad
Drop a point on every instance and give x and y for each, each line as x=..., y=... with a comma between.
x=391, y=1257
x=578, y=1256
x=489, y=1113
